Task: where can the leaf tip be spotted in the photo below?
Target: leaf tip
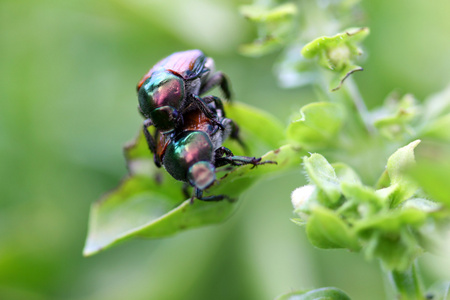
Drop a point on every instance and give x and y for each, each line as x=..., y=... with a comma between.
x=89, y=250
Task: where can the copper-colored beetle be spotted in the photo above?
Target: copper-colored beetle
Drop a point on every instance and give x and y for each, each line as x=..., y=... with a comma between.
x=173, y=86
x=192, y=154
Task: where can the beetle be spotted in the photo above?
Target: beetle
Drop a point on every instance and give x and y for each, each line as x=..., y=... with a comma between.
x=172, y=87
x=192, y=154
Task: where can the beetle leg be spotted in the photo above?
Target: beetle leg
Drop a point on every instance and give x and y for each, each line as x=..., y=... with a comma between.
x=235, y=136
x=221, y=151
x=224, y=156
x=185, y=190
x=241, y=161
x=237, y=161
x=202, y=105
x=218, y=104
x=198, y=193
x=234, y=127
x=220, y=79
x=180, y=120
x=219, y=159
x=148, y=137
x=157, y=161
x=150, y=141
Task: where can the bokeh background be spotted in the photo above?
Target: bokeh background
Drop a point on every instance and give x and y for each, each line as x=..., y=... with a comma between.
x=68, y=74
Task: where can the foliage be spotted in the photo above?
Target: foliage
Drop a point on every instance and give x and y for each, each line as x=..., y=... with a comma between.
x=337, y=53
x=385, y=220
x=69, y=104
x=146, y=204
x=324, y=293
x=384, y=223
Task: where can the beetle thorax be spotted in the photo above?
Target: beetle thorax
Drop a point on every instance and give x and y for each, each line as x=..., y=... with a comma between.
x=218, y=137
x=192, y=87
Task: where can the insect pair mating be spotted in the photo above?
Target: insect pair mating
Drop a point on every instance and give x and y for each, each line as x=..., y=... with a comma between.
x=190, y=130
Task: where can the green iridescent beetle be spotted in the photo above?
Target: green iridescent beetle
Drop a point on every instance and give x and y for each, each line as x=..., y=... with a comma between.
x=172, y=87
x=192, y=154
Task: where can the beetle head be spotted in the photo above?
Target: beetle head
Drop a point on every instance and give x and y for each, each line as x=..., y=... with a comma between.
x=201, y=175
x=159, y=98
x=165, y=118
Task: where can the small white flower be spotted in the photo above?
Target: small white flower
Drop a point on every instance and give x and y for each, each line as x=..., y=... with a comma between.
x=301, y=195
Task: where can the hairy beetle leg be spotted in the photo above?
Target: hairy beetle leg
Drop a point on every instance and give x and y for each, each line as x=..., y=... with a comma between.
x=218, y=79
x=235, y=136
x=148, y=137
x=224, y=156
x=199, y=195
x=185, y=190
x=150, y=141
x=264, y=162
x=202, y=105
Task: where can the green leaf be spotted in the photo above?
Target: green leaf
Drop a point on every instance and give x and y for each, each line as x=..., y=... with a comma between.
x=327, y=231
x=396, y=165
x=392, y=221
x=436, y=116
x=328, y=293
x=259, y=129
x=138, y=208
x=389, y=237
x=317, y=125
x=275, y=27
x=394, y=119
x=261, y=47
x=438, y=129
x=234, y=181
x=383, y=181
x=407, y=283
x=138, y=201
x=143, y=207
x=388, y=193
x=434, y=178
x=397, y=251
x=345, y=173
x=435, y=108
x=149, y=203
x=139, y=158
x=439, y=290
x=325, y=44
x=322, y=174
x=260, y=13
x=337, y=53
x=424, y=205
x=360, y=194
x=338, y=80
x=299, y=222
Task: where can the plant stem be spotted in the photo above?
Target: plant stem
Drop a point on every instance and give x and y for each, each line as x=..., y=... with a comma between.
x=407, y=284
x=355, y=96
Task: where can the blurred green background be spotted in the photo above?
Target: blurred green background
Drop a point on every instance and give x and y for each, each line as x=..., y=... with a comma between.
x=68, y=104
